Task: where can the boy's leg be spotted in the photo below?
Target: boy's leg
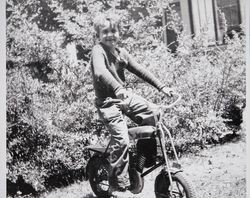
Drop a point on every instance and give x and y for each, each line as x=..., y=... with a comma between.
x=119, y=159
x=142, y=111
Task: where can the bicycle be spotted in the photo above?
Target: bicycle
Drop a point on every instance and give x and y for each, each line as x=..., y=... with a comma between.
x=143, y=153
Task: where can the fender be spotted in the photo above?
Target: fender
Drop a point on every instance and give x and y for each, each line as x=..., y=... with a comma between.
x=174, y=170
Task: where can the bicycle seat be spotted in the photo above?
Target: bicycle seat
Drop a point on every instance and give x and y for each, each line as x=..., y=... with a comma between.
x=141, y=132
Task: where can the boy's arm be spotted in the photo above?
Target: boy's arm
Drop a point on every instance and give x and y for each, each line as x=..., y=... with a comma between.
x=141, y=72
x=101, y=72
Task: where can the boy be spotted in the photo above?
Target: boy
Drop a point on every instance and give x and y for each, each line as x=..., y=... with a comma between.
x=108, y=64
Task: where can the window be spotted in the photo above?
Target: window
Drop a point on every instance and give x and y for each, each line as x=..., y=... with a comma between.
x=231, y=11
x=171, y=36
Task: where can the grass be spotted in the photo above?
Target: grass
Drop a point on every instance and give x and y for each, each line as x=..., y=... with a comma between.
x=217, y=172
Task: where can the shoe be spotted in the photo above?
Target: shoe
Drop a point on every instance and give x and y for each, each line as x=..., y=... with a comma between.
x=118, y=191
x=122, y=194
x=118, y=188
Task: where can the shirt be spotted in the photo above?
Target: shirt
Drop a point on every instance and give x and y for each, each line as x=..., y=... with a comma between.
x=108, y=71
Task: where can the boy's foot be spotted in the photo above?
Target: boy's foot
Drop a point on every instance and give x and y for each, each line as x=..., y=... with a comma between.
x=117, y=188
x=119, y=192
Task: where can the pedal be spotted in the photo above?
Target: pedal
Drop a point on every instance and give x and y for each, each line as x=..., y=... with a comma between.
x=176, y=165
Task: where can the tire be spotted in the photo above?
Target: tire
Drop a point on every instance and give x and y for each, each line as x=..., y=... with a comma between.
x=98, y=171
x=182, y=188
x=136, y=181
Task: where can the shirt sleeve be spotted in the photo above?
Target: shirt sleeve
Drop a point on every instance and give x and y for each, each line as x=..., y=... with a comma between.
x=101, y=73
x=134, y=67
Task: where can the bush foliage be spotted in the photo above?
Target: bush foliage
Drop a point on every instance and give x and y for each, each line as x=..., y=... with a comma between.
x=50, y=111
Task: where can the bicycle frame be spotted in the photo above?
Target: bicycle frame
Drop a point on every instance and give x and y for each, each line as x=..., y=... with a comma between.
x=160, y=129
x=177, y=166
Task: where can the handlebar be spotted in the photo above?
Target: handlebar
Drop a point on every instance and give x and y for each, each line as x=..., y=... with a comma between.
x=173, y=103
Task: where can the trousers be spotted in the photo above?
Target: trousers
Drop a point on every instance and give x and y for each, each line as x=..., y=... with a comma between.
x=113, y=115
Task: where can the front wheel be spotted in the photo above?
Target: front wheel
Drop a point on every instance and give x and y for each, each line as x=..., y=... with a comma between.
x=182, y=188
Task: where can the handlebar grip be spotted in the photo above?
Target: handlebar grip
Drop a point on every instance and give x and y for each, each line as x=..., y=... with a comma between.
x=173, y=103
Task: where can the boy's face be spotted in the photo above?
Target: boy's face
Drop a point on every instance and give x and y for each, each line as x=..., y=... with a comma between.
x=109, y=34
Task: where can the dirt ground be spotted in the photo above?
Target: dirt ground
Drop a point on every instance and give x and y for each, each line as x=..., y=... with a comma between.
x=217, y=172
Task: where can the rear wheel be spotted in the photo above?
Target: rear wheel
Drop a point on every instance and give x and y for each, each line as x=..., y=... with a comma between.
x=98, y=172
x=182, y=188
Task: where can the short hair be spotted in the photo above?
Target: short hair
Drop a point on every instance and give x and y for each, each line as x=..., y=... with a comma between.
x=102, y=18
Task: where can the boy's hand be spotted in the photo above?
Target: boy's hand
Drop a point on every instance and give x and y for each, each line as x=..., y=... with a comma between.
x=122, y=94
x=168, y=91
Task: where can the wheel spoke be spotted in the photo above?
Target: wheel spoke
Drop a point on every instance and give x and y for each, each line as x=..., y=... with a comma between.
x=182, y=192
x=177, y=194
x=178, y=190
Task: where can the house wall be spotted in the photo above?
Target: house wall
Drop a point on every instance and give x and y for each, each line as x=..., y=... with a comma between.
x=186, y=16
x=243, y=10
x=202, y=14
x=203, y=17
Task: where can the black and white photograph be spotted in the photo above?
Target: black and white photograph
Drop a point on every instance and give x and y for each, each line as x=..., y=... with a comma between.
x=125, y=98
